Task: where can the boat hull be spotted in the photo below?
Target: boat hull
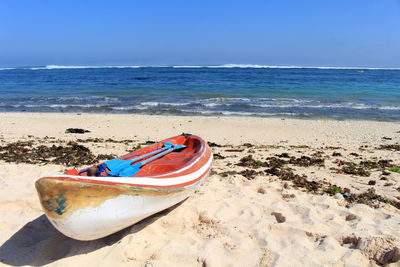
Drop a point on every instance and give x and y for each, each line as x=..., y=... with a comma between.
x=86, y=208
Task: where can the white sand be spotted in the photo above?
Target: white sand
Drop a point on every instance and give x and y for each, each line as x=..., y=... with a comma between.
x=228, y=221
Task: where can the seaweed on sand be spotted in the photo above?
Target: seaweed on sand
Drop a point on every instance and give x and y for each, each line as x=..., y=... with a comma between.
x=274, y=162
x=212, y=144
x=298, y=181
x=101, y=157
x=76, y=130
x=250, y=174
x=305, y=161
x=381, y=164
x=352, y=168
x=248, y=161
x=283, y=155
x=395, y=147
x=218, y=156
x=369, y=198
x=24, y=152
x=227, y=173
x=362, y=169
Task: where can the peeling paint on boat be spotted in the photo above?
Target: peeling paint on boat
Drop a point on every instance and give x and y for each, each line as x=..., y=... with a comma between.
x=61, y=197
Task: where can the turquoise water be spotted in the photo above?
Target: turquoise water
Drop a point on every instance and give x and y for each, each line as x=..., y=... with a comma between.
x=215, y=90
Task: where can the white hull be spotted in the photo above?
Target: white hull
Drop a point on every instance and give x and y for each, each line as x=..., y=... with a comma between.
x=114, y=215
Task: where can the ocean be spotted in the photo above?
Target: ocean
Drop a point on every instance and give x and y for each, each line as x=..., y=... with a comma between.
x=226, y=90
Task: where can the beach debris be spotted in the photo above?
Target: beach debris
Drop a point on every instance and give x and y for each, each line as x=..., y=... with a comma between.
x=381, y=164
x=305, y=161
x=300, y=146
x=218, y=156
x=274, y=162
x=228, y=173
x=279, y=217
x=234, y=150
x=394, y=170
x=283, y=155
x=212, y=144
x=72, y=154
x=390, y=256
x=90, y=140
x=286, y=174
x=208, y=226
x=76, y=130
x=380, y=249
x=204, y=218
x=351, y=217
x=101, y=157
x=149, y=142
x=212, y=172
x=395, y=147
x=286, y=196
x=248, y=161
x=361, y=169
x=386, y=138
x=369, y=197
x=336, y=154
x=102, y=140
x=351, y=240
x=334, y=190
x=371, y=182
x=261, y=190
x=352, y=168
x=248, y=145
x=250, y=174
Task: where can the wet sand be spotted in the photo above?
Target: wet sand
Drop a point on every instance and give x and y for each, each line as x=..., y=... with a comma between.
x=282, y=192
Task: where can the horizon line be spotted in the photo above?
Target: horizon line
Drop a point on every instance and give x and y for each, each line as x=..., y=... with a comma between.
x=244, y=66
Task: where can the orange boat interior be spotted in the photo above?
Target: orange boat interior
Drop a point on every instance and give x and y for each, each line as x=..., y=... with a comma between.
x=167, y=163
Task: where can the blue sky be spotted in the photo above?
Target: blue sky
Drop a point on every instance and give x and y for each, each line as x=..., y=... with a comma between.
x=308, y=32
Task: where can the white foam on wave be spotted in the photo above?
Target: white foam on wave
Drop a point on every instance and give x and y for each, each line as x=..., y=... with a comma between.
x=223, y=99
x=211, y=105
x=60, y=106
x=53, y=67
x=329, y=106
x=188, y=67
x=154, y=104
x=256, y=66
x=126, y=108
x=243, y=113
x=243, y=66
x=78, y=106
x=283, y=100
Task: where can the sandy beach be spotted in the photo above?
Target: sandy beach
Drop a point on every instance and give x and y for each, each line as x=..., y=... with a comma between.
x=282, y=192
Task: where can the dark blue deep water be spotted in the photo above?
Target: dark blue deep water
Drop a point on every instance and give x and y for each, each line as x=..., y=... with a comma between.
x=246, y=91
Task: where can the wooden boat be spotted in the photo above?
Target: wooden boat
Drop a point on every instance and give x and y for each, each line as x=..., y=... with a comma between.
x=87, y=207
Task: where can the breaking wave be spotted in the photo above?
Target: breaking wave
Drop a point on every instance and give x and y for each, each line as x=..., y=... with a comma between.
x=242, y=66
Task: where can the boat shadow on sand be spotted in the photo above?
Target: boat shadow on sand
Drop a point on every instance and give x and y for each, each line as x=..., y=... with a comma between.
x=38, y=243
